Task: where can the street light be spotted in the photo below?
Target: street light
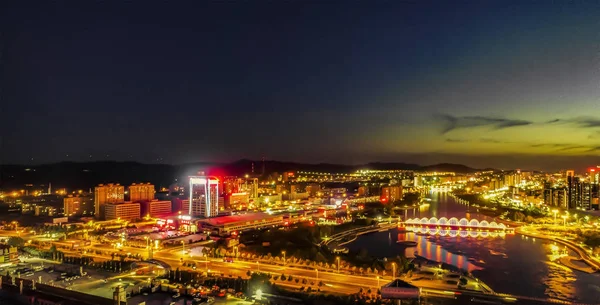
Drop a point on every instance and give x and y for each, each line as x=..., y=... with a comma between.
x=393, y=271
x=378, y=282
x=258, y=266
x=555, y=211
x=317, y=271
x=338, y=263
x=206, y=263
x=564, y=217
x=182, y=247
x=283, y=252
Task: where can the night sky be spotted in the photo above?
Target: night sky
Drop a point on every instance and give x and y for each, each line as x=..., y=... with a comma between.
x=484, y=83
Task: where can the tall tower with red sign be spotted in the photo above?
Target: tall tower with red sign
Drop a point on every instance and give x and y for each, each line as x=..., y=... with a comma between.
x=204, y=196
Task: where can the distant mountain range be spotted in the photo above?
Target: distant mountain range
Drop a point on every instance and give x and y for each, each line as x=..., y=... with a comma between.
x=86, y=175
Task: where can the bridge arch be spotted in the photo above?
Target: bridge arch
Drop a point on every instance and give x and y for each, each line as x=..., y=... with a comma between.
x=433, y=221
x=484, y=224
x=424, y=220
x=474, y=223
x=442, y=221
x=493, y=224
x=160, y=263
x=463, y=222
x=453, y=221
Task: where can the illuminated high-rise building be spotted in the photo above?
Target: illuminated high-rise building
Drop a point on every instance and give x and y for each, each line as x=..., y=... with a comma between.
x=78, y=205
x=203, y=196
x=251, y=187
x=594, y=186
x=572, y=189
x=141, y=192
x=126, y=210
x=104, y=194
x=391, y=193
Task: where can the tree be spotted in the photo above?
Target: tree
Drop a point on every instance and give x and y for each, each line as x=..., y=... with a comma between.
x=14, y=241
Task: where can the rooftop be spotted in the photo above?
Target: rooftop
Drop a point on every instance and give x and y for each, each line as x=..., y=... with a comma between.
x=223, y=220
x=400, y=284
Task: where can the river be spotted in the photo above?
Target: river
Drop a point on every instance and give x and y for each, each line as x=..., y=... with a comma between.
x=512, y=264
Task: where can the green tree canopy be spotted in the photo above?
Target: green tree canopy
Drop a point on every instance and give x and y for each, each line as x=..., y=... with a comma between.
x=15, y=241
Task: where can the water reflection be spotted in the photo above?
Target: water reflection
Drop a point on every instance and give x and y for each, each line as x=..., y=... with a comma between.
x=435, y=252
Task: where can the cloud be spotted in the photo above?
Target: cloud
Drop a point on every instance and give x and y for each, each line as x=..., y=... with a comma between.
x=562, y=147
x=482, y=140
x=583, y=122
x=487, y=140
x=572, y=147
x=556, y=145
x=452, y=123
x=593, y=149
x=595, y=135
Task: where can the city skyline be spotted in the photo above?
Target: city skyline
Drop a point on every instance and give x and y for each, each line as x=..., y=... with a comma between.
x=506, y=85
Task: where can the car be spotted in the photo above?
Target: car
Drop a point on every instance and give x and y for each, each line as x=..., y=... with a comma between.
x=175, y=296
x=228, y=260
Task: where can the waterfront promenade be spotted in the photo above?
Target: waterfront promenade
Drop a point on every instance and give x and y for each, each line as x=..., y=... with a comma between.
x=532, y=231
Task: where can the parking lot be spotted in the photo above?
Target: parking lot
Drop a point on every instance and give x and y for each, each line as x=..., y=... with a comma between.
x=166, y=299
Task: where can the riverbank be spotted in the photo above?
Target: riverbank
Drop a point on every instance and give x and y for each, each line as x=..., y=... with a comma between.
x=593, y=265
x=346, y=237
x=576, y=264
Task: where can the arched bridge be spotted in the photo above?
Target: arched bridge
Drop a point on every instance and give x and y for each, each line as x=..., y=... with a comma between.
x=434, y=225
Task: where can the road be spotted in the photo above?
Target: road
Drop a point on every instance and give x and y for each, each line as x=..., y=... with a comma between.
x=333, y=281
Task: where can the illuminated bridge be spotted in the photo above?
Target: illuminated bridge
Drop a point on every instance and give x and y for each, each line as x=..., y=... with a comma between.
x=457, y=227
